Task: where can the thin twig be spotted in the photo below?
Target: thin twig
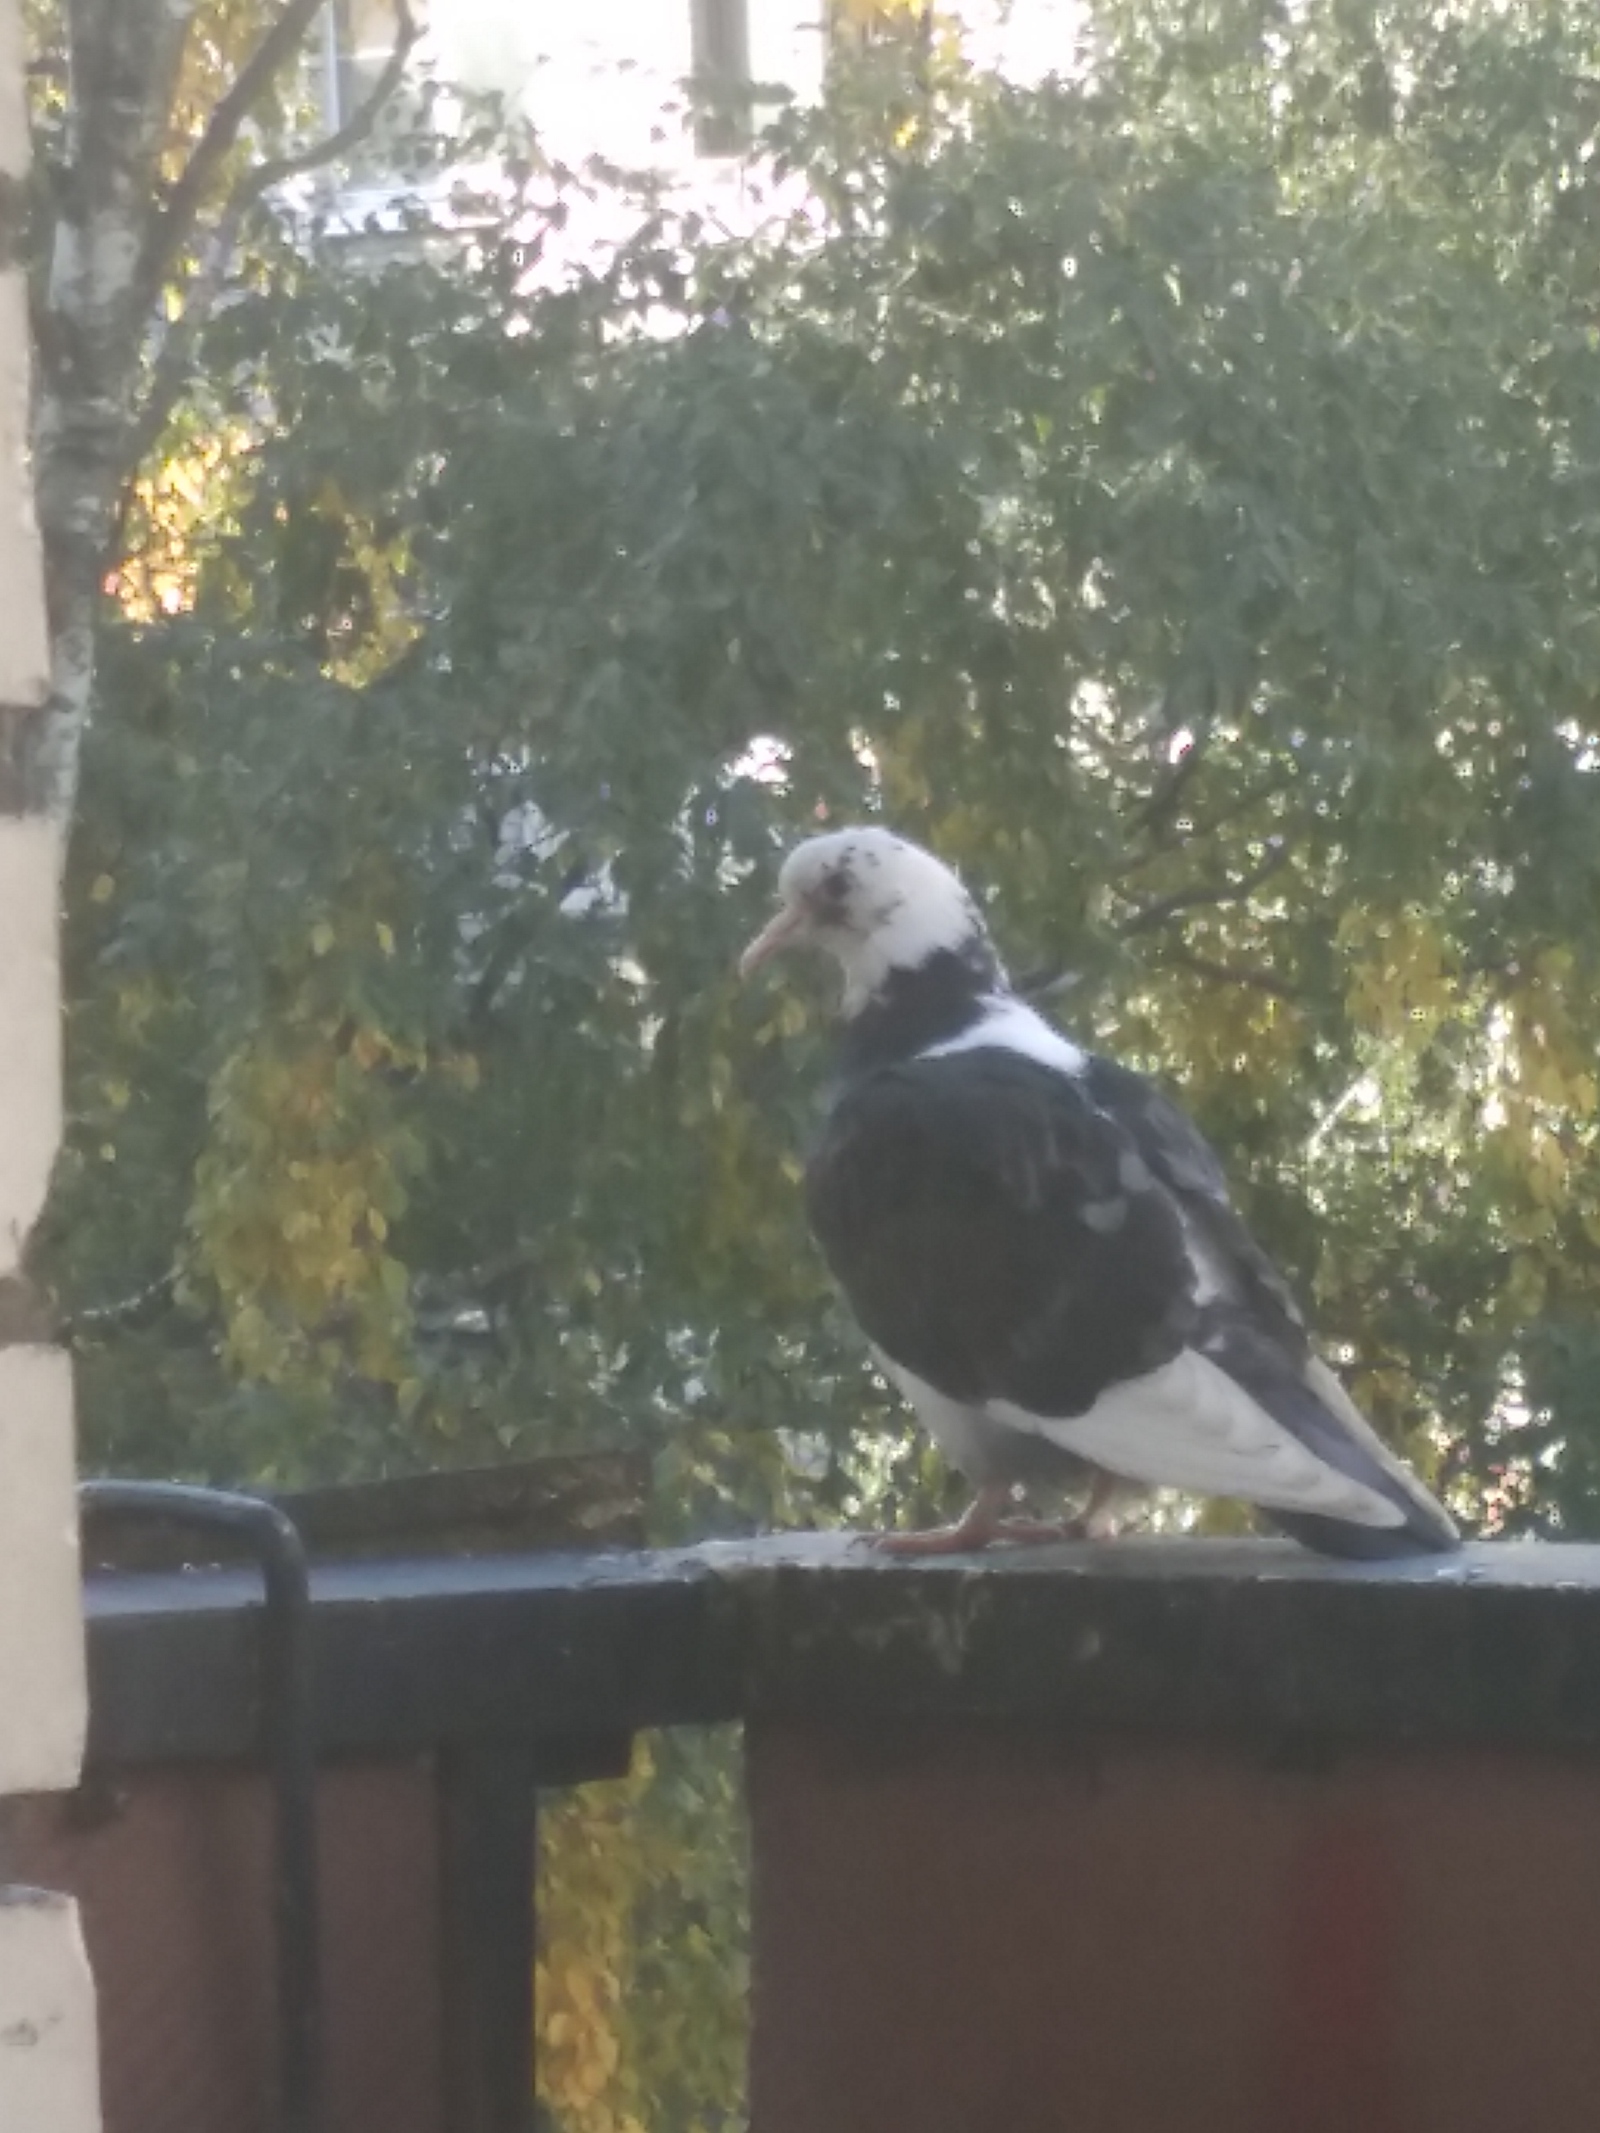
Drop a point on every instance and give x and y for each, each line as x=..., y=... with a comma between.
x=1216, y=818
x=1154, y=914
x=137, y=1309
x=1250, y=974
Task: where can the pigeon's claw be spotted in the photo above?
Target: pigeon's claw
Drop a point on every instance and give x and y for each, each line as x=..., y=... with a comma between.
x=977, y=1526
x=981, y=1524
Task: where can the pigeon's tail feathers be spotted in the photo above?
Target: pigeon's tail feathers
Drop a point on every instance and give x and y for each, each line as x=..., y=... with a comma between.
x=1308, y=1400
x=1366, y=1544
x=1429, y=1529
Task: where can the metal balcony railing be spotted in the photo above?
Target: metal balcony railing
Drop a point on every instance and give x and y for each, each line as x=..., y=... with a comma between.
x=902, y=1718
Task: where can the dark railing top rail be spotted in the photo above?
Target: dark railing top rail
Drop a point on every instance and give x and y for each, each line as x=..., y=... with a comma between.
x=1500, y=1643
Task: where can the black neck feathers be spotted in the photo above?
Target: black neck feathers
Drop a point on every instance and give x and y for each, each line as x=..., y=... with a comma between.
x=929, y=1005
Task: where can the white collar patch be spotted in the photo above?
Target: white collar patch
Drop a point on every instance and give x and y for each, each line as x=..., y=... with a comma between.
x=1010, y=1025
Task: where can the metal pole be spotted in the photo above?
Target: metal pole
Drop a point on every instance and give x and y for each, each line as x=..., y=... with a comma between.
x=289, y=1743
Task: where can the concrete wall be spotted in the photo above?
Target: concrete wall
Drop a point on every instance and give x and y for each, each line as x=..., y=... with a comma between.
x=48, y=2074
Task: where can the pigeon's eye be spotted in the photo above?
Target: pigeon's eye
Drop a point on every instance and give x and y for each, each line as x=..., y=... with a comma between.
x=833, y=894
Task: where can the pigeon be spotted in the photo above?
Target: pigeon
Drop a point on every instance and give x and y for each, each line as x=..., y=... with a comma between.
x=1041, y=1249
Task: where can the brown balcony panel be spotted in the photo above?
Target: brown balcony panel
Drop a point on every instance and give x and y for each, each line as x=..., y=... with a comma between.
x=172, y=1868
x=965, y=1927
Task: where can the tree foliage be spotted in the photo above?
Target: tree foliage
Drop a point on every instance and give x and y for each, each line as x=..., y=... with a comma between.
x=1168, y=492
x=1171, y=492
x=641, y=1971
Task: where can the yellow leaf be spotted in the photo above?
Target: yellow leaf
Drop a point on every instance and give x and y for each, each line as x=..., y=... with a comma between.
x=385, y=937
x=321, y=937
x=104, y=889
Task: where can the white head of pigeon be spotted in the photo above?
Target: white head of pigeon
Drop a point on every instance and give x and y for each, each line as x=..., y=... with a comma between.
x=876, y=903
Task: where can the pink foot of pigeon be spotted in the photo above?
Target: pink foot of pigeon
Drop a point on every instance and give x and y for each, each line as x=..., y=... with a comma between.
x=981, y=1524
x=977, y=1526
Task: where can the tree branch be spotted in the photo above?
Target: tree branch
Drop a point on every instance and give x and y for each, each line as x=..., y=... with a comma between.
x=1249, y=974
x=1161, y=802
x=460, y=1288
x=1051, y=982
x=516, y=938
x=1218, y=817
x=171, y=370
x=170, y=373
x=170, y=230
x=277, y=169
x=1149, y=916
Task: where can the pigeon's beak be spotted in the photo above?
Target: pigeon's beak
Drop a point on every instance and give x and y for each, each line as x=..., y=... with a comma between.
x=774, y=937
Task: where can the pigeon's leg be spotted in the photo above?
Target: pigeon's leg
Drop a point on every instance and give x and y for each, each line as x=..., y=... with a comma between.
x=979, y=1524
x=1097, y=1521
x=1025, y=1532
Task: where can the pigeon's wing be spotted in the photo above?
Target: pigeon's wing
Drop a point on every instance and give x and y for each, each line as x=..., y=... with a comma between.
x=1253, y=1329
x=1229, y=1264
x=995, y=1234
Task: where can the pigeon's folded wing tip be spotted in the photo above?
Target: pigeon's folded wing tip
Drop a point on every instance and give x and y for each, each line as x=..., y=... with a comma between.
x=1211, y=1426
x=1418, y=1535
